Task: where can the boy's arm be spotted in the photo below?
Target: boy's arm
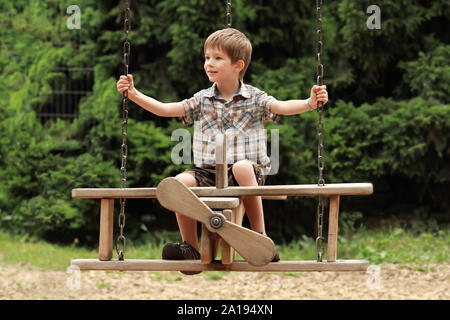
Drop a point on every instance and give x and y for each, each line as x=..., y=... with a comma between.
x=299, y=106
x=171, y=109
x=290, y=107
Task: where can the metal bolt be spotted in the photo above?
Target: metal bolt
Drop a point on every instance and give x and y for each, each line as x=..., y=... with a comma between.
x=216, y=222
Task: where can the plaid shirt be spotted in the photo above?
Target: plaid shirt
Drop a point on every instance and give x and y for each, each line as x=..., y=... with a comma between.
x=241, y=119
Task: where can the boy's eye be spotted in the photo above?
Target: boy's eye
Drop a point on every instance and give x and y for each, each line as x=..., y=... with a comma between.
x=216, y=57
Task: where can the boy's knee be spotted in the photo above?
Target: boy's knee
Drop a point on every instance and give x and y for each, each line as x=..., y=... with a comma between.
x=187, y=178
x=242, y=167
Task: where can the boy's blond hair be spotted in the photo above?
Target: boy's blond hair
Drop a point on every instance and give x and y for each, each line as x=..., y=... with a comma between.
x=234, y=43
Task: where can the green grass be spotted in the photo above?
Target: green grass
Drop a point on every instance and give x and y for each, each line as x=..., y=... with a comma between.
x=398, y=246
x=388, y=246
x=392, y=245
x=32, y=253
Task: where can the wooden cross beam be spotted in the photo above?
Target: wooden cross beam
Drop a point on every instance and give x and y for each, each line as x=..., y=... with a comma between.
x=276, y=190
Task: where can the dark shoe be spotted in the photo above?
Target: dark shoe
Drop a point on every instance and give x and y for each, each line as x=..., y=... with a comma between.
x=180, y=251
x=277, y=257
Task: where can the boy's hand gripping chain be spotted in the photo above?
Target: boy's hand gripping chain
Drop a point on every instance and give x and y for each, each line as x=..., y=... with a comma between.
x=254, y=247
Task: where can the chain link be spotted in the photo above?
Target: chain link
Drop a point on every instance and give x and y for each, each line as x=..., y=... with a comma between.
x=320, y=131
x=121, y=241
x=319, y=247
x=229, y=16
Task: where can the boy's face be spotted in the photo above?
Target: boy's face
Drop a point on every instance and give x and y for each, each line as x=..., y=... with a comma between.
x=219, y=67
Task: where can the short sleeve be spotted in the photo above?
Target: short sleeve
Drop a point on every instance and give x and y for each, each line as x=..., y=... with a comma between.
x=191, y=109
x=264, y=101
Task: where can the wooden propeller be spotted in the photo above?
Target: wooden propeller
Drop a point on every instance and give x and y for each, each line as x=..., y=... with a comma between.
x=254, y=247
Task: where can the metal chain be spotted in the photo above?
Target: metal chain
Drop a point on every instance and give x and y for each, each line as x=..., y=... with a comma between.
x=121, y=241
x=229, y=16
x=320, y=155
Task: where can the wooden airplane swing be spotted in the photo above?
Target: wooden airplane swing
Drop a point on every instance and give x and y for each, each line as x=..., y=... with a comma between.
x=220, y=209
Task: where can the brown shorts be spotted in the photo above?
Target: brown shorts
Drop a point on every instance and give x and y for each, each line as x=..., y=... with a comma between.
x=206, y=175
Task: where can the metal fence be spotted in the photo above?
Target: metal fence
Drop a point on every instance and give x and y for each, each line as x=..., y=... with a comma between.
x=65, y=97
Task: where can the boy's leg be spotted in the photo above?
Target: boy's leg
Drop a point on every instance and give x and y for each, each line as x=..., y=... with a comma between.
x=188, y=229
x=245, y=176
x=187, y=226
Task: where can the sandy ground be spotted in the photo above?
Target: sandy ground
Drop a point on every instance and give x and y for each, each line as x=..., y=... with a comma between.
x=384, y=281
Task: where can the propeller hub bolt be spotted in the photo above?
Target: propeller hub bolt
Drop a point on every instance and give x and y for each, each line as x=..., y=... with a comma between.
x=216, y=222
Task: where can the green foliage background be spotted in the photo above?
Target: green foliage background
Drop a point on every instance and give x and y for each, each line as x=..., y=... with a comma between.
x=387, y=121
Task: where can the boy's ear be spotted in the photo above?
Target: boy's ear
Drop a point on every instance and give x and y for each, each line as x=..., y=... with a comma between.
x=240, y=64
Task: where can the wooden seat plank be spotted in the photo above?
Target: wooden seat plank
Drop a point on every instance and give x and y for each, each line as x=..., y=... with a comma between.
x=278, y=190
x=221, y=202
x=196, y=265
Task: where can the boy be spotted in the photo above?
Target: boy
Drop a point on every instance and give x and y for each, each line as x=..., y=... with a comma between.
x=228, y=105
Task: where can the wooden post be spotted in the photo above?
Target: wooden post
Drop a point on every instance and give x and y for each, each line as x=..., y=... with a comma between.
x=333, y=228
x=106, y=229
x=221, y=161
x=207, y=249
x=237, y=215
x=227, y=250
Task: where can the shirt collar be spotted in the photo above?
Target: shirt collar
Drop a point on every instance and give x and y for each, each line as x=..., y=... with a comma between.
x=214, y=92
